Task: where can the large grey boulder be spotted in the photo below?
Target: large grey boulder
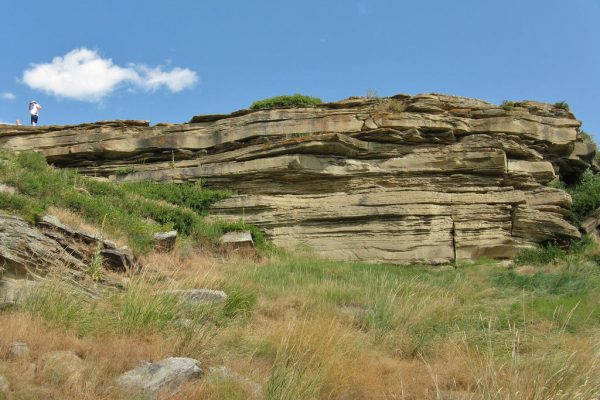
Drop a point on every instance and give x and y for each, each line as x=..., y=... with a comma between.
x=163, y=377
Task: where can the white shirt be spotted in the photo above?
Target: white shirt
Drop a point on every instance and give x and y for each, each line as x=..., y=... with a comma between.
x=34, y=108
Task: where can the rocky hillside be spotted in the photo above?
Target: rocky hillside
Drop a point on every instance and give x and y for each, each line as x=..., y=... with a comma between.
x=429, y=178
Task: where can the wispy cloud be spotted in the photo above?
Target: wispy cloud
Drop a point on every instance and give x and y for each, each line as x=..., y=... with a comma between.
x=7, y=96
x=83, y=75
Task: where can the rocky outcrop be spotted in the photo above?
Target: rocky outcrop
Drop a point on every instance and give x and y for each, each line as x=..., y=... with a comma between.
x=29, y=253
x=163, y=377
x=429, y=178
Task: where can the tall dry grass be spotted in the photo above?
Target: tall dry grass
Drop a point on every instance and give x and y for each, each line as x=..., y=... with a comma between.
x=304, y=328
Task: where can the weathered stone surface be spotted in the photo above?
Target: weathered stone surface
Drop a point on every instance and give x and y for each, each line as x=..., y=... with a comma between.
x=238, y=239
x=62, y=365
x=164, y=377
x=25, y=250
x=18, y=349
x=591, y=223
x=426, y=178
x=199, y=296
x=165, y=241
x=84, y=246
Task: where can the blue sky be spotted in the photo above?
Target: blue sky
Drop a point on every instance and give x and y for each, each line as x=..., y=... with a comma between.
x=167, y=61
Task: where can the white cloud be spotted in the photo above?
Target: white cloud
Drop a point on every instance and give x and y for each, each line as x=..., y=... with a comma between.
x=83, y=75
x=7, y=96
x=176, y=80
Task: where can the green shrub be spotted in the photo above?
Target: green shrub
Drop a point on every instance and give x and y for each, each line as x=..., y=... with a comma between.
x=550, y=252
x=585, y=195
x=297, y=100
x=563, y=105
x=542, y=255
x=508, y=105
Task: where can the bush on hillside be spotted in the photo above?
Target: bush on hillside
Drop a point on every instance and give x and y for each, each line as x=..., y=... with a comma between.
x=585, y=195
x=297, y=100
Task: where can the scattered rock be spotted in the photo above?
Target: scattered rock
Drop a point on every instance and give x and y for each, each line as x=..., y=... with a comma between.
x=62, y=365
x=224, y=373
x=4, y=387
x=119, y=260
x=18, y=349
x=199, y=296
x=7, y=189
x=237, y=240
x=165, y=376
x=14, y=291
x=591, y=223
x=165, y=241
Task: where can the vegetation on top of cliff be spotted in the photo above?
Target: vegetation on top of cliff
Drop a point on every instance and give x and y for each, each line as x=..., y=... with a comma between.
x=296, y=100
x=562, y=105
x=132, y=211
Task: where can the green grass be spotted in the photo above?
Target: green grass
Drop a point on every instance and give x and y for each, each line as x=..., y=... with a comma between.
x=294, y=101
x=311, y=321
x=585, y=195
x=134, y=211
x=563, y=105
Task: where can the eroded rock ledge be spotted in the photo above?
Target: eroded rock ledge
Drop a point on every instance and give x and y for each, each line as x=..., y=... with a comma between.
x=428, y=178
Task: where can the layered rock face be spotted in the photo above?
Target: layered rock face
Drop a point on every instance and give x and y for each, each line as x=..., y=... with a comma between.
x=429, y=178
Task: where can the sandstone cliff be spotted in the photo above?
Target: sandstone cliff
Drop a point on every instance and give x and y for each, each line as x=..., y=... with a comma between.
x=428, y=178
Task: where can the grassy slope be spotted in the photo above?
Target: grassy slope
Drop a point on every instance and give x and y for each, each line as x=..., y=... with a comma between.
x=132, y=212
x=302, y=327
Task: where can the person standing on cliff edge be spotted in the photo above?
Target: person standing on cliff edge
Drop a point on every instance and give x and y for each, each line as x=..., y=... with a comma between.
x=34, y=109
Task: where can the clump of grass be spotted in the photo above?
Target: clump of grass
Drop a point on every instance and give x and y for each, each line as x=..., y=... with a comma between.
x=563, y=105
x=396, y=106
x=125, y=170
x=294, y=101
x=508, y=105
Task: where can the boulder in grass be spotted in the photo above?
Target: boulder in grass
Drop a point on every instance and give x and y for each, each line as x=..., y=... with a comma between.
x=163, y=377
x=62, y=365
x=19, y=349
x=238, y=240
x=164, y=242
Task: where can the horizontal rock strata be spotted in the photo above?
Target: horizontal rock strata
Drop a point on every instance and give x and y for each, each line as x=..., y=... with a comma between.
x=429, y=178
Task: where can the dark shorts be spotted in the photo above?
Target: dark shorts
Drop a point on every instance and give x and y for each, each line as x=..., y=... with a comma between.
x=34, y=118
